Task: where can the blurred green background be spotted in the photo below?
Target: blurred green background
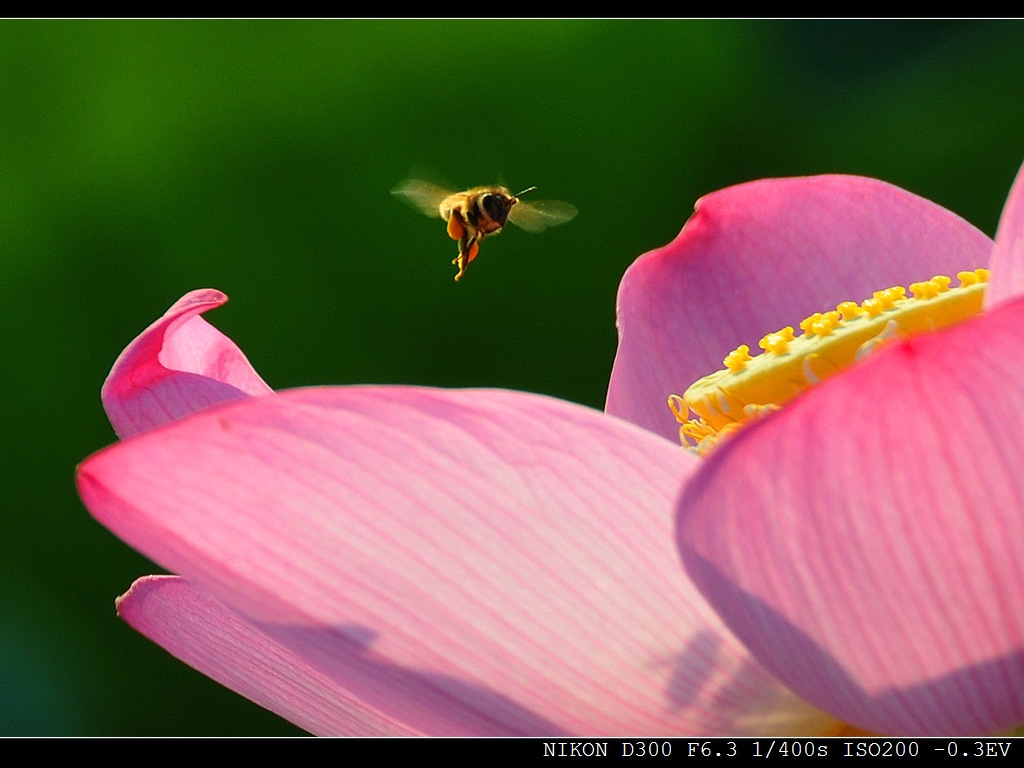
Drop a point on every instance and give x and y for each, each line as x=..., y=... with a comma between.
x=142, y=159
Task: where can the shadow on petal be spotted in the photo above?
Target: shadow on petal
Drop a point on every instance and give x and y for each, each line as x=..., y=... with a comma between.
x=976, y=699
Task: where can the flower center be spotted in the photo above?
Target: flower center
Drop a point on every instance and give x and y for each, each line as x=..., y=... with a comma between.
x=749, y=385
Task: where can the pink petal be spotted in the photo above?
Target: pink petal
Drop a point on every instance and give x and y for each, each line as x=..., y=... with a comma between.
x=463, y=562
x=245, y=658
x=760, y=256
x=1007, y=265
x=865, y=542
x=177, y=366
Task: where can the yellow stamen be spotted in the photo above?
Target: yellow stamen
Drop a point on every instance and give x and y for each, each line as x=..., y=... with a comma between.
x=820, y=323
x=849, y=310
x=778, y=342
x=736, y=360
x=750, y=386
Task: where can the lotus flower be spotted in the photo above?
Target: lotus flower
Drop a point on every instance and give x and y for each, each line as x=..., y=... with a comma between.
x=397, y=560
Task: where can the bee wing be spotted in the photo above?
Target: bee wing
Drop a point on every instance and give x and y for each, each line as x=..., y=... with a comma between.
x=538, y=215
x=422, y=195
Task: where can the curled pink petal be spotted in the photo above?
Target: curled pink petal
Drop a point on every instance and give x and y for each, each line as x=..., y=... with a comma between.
x=1007, y=280
x=177, y=366
x=462, y=562
x=760, y=256
x=864, y=542
x=246, y=658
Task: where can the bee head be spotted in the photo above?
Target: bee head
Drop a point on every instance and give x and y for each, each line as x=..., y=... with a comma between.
x=497, y=205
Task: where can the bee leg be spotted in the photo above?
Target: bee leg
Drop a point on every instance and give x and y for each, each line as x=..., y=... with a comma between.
x=457, y=230
x=456, y=227
x=465, y=256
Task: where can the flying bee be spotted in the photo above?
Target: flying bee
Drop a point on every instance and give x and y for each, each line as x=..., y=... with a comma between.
x=482, y=211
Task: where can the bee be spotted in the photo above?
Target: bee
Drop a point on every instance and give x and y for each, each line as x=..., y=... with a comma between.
x=480, y=212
